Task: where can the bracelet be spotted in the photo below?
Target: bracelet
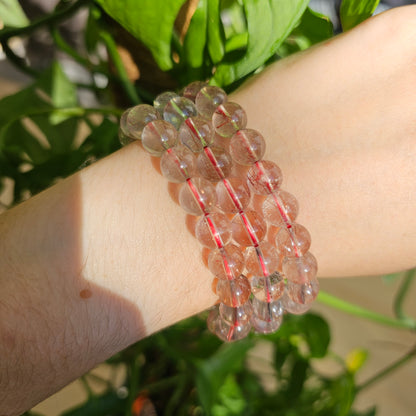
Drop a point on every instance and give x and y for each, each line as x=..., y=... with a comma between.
x=257, y=252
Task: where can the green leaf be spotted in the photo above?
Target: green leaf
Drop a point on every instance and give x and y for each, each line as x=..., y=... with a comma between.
x=150, y=21
x=11, y=14
x=212, y=372
x=268, y=25
x=369, y=412
x=343, y=393
x=353, y=12
x=317, y=334
x=196, y=35
x=231, y=399
x=215, y=32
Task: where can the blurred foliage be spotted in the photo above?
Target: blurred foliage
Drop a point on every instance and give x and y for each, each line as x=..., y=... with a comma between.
x=46, y=133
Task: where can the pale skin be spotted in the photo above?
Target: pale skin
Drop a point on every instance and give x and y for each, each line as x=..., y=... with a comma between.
x=103, y=258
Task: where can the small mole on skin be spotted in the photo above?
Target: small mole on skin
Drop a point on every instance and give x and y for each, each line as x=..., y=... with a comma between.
x=85, y=294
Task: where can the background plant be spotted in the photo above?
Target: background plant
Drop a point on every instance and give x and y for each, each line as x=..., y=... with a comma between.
x=47, y=132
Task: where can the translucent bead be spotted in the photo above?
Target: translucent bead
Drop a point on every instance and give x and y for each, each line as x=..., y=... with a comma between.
x=300, y=269
x=267, y=311
x=213, y=230
x=264, y=177
x=280, y=207
x=237, y=316
x=292, y=307
x=208, y=99
x=197, y=196
x=234, y=292
x=196, y=133
x=162, y=100
x=179, y=109
x=228, y=118
x=268, y=288
x=248, y=228
x=214, y=163
x=266, y=327
x=178, y=164
x=303, y=293
x=134, y=120
x=293, y=240
x=193, y=89
x=233, y=195
x=225, y=331
x=261, y=259
x=247, y=146
x=158, y=136
x=226, y=263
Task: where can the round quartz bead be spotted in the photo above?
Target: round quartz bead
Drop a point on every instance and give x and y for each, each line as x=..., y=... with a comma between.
x=193, y=89
x=228, y=118
x=293, y=241
x=236, y=316
x=208, y=99
x=162, y=100
x=230, y=333
x=197, y=196
x=233, y=195
x=267, y=311
x=266, y=327
x=178, y=164
x=268, y=288
x=227, y=262
x=248, y=228
x=264, y=177
x=214, y=164
x=213, y=230
x=179, y=109
x=158, y=136
x=292, y=307
x=280, y=207
x=300, y=269
x=303, y=293
x=234, y=292
x=261, y=259
x=196, y=133
x=247, y=146
x=134, y=120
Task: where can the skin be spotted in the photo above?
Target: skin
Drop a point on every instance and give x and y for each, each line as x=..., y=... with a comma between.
x=103, y=259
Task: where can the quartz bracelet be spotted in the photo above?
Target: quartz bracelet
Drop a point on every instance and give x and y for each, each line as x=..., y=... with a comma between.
x=258, y=253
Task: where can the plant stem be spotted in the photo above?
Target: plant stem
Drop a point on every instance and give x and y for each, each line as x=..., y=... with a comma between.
x=17, y=61
x=401, y=295
x=387, y=370
x=119, y=66
x=357, y=310
x=53, y=18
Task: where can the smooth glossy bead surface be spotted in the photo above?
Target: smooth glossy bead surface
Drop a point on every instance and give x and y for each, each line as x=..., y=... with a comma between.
x=226, y=263
x=292, y=307
x=178, y=164
x=261, y=259
x=236, y=316
x=304, y=293
x=228, y=118
x=233, y=195
x=197, y=196
x=266, y=327
x=264, y=177
x=158, y=136
x=247, y=146
x=293, y=241
x=248, y=228
x=234, y=292
x=191, y=90
x=214, y=164
x=300, y=269
x=179, y=109
x=134, y=120
x=268, y=288
x=208, y=99
x=280, y=207
x=162, y=100
x=267, y=311
x=213, y=230
x=196, y=133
